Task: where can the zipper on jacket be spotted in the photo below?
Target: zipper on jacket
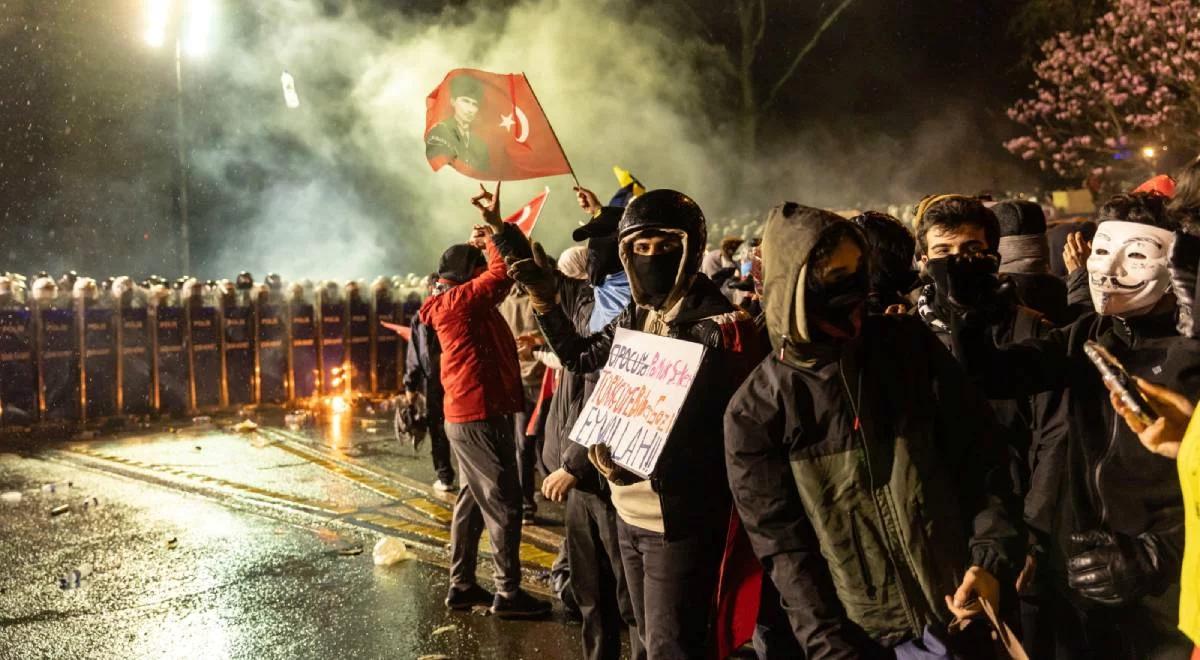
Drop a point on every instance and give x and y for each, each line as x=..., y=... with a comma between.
x=1112, y=441
x=856, y=539
x=861, y=435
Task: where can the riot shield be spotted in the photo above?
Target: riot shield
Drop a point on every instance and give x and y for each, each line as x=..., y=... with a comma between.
x=171, y=362
x=18, y=372
x=360, y=345
x=99, y=362
x=333, y=347
x=204, y=337
x=136, y=389
x=272, y=354
x=305, y=367
x=239, y=355
x=59, y=365
x=387, y=348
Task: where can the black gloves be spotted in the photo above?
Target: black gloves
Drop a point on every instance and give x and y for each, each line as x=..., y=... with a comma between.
x=1184, y=263
x=539, y=278
x=1113, y=568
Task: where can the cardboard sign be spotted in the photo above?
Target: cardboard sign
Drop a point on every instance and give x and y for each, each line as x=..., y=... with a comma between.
x=640, y=393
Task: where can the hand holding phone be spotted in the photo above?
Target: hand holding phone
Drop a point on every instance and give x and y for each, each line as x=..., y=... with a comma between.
x=1119, y=382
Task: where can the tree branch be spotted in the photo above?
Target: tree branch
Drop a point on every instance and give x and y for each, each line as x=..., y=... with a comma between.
x=812, y=42
x=762, y=23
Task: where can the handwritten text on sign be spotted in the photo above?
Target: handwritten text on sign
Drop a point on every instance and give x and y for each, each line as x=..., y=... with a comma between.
x=639, y=396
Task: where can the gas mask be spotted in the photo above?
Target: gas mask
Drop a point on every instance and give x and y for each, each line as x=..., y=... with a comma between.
x=1127, y=270
x=964, y=281
x=656, y=276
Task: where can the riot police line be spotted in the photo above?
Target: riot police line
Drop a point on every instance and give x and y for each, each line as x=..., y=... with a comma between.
x=86, y=359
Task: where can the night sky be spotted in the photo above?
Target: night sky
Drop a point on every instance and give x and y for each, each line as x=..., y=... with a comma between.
x=88, y=161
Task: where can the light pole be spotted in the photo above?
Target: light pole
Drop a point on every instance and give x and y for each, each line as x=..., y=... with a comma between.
x=190, y=22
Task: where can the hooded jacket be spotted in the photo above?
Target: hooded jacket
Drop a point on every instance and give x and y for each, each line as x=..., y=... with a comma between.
x=866, y=473
x=479, y=369
x=422, y=367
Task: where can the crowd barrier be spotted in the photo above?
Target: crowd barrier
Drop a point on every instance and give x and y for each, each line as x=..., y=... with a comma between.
x=92, y=362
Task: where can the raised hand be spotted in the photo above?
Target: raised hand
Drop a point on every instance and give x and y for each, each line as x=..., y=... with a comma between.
x=539, y=279
x=1076, y=252
x=489, y=207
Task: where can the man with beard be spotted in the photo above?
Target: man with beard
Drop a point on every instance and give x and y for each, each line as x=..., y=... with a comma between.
x=861, y=460
x=671, y=527
x=482, y=384
x=1114, y=511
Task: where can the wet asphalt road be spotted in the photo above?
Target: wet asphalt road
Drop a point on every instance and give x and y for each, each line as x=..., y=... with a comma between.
x=271, y=555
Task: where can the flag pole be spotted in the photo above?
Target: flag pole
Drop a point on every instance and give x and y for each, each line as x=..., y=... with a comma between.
x=552, y=132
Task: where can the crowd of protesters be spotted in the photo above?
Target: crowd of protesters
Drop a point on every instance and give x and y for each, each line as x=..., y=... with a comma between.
x=896, y=444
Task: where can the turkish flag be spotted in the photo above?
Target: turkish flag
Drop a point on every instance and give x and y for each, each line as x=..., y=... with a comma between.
x=528, y=215
x=490, y=126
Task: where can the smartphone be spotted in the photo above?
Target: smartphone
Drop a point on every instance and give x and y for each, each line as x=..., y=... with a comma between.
x=1119, y=380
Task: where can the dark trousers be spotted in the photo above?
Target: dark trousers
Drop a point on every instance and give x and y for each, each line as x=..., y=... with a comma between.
x=597, y=579
x=439, y=449
x=773, y=638
x=527, y=451
x=490, y=496
x=671, y=585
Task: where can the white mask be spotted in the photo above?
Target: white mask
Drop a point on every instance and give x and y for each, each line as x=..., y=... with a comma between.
x=1127, y=270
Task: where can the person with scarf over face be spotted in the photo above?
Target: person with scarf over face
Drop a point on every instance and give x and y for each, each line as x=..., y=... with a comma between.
x=863, y=463
x=1110, y=579
x=482, y=383
x=957, y=239
x=890, y=249
x=597, y=581
x=671, y=527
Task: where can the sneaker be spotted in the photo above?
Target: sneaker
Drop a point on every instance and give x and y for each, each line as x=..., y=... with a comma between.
x=520, y=606
x=465, y=599
x=443, y=487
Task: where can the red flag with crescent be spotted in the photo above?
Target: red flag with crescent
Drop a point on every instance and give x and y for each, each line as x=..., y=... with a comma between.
x=528, y=215
x=490, y=126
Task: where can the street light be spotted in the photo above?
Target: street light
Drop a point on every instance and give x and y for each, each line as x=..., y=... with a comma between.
x=1148, y=153
x=190, y=22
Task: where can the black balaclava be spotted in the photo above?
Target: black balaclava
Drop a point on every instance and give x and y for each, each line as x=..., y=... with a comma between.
x=964, y=282
x=835, y=308
x=603, y=258
x=656, y=275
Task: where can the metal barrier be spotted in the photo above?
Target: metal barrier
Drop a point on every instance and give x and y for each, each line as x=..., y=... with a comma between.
x=87, y=362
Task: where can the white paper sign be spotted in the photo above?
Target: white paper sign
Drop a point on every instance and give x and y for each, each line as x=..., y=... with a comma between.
x=640, y=393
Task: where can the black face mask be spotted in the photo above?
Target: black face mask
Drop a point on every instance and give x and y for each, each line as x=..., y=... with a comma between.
x=656, y=275
x=964, y=281
x=836, y=303
x=602, y=258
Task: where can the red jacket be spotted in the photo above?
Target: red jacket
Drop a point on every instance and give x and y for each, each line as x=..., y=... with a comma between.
x=480, y=373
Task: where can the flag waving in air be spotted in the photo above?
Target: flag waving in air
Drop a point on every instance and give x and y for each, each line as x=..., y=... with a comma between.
x=528, y=215
x=490, y=126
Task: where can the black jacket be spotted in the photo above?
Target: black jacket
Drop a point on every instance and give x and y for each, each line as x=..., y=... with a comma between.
x=422, y=367
x=1101, y=477
x=690, y=477
x=571, y=392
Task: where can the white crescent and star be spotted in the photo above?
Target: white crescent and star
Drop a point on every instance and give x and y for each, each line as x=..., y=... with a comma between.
x=521, y=121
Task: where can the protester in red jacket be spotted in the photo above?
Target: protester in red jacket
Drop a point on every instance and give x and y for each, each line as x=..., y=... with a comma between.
x=483, y=389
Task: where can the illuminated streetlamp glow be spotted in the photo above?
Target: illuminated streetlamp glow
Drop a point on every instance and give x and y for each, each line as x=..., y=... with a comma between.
x=157, y=14
x=1148, y=152
x=199, y=20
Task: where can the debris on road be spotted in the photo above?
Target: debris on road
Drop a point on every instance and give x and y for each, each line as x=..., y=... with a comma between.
x=172, y=543
x=90, y=502
x=59, y=510
x=390, y=550
x=435, y=656
x=245, y=426
x=54, y=487
x=443, y=630
x=11, y=497
x=74, y=579
x=203, y=421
